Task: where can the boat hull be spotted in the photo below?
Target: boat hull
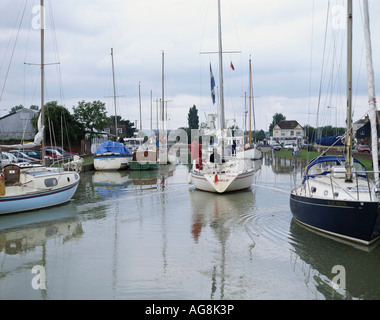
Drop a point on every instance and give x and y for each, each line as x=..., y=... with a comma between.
x=224, y=182
x=111, y=162
x=353, y=221
x=37, y=200
x=148, y=165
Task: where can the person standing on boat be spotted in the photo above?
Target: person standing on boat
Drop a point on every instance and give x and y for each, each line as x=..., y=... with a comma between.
x=234, y=148
x=196, y=153
x=215, y=156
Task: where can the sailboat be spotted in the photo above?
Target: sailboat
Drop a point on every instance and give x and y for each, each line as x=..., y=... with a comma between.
x=231, y=173
x=25, y=186
x=337, y=197
x=250, y=150
x=111, y=155
x=145, y=156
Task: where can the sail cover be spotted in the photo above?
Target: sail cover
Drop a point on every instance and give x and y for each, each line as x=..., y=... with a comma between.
x=112, y=146
x=331, y=141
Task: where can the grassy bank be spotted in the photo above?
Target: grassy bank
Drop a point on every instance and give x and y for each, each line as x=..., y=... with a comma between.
x=309, y=155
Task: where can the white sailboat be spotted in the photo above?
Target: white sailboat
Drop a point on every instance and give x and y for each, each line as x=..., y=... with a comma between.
x=112, y=155
x=337, y=196
x=26, y=187
x=232, y=172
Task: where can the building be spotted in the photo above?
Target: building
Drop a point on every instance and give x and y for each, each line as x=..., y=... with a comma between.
x=362, y=130
x=288, y=131
x=18, y=125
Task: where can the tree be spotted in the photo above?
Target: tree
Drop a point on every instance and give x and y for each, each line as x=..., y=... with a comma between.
x=92, y=115
x=129, y=125
x=15, y=108
x=260, y=135
x=276, y=119
x=34, y=107
x=192, y=118
x=60, y=125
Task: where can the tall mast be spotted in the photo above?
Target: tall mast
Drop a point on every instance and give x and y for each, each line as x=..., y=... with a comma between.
x=250, y=102
x=140, y=107
x=163, y=91
x=151, y=115
x=371, y=92
x=42, y=21
x=114, y=92
x=221, y=91
x=349, y=162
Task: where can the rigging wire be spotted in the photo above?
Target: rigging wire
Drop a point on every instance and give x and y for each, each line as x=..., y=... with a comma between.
x=311, y=66
x=13, y=51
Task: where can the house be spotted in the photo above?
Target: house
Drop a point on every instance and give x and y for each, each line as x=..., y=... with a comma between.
x=362, y=130
x=18, y=125
x=288, y=131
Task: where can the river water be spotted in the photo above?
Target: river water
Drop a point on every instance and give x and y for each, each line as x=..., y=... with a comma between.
x=127, y=235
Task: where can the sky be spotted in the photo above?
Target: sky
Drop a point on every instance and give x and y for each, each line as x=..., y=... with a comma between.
x=298, y=65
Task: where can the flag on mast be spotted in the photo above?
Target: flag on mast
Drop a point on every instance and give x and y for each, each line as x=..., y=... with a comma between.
x=212, y=86
x=232, y=67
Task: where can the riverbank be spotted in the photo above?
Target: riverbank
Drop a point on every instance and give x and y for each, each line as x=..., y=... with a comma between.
x=364, y=158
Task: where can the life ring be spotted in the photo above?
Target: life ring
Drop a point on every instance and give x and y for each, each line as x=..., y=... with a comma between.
x=2, y=176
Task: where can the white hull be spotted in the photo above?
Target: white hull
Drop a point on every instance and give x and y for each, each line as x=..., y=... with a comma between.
x=111, y=162
x=234, y=175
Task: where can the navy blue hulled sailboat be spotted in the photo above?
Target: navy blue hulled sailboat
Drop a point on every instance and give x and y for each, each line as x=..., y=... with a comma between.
x=337, y=196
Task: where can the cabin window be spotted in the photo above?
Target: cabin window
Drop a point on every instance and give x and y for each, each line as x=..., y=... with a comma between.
x=51, y=182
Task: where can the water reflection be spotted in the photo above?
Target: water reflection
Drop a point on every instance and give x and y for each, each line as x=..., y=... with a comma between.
x=24, y=243
x=319, y=254
x=222, y=213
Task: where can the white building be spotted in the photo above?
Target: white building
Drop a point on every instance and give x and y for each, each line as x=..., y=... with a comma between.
x=288, y=131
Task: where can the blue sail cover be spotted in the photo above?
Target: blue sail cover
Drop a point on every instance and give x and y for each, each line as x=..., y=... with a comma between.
x=112, y=146
x=329, y=141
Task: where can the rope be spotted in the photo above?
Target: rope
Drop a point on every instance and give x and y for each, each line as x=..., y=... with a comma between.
x=13, y=51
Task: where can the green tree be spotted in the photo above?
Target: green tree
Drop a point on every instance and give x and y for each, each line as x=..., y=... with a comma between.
x=92, y=115
x=15, y=108
x=260, y=135
x=276, y=119
x=129, y=125
x=60, y=125
x=34, y=107
x=192, y=118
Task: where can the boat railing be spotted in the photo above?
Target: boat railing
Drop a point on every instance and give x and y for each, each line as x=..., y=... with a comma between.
x=363, y=184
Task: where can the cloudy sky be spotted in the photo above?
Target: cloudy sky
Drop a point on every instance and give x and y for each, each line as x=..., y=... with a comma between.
x=294, y=57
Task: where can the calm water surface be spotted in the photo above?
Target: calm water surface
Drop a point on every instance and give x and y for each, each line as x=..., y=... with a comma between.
x=127, y=235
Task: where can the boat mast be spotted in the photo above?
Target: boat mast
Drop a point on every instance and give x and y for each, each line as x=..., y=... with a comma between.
x=371, y=92
x=140, y=107
x=221, y=91
x=250, y=102
x=42, y=21
x=349, y=162
x=114, y=92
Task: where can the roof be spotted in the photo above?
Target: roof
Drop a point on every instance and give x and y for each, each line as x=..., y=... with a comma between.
x=23, y=110
x=288, y=124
